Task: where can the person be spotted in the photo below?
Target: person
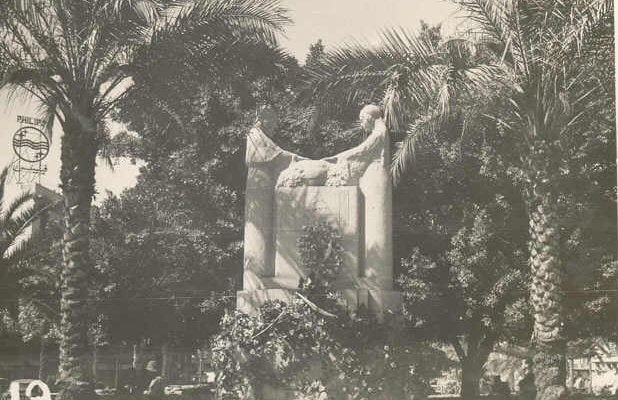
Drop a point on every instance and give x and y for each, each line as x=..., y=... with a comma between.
x=143, y=376
x=580, y=384
x=156, y=386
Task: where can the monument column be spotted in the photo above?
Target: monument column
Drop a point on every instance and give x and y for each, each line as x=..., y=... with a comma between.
x=264, y=159
x=376, y=187
x=258, y=239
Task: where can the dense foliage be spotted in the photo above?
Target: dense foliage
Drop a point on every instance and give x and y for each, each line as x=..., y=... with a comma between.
x=465, y=277
x=311, y=347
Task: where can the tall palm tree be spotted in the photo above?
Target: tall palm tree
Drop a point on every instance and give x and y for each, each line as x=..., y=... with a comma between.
x=15, y=218
x=531, y=48
x=77, y=58
x=541, y=42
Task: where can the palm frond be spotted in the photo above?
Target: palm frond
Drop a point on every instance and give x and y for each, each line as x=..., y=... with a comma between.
x=345, y=77
x=8, y=213
x=502, y=29
x=23, y=76
x=393, y=107
x=393, y=73
x=490, y=15
x=3, y=178
x=581, y=25
x=14, y=228
x=406, y=47
x=37, y=82
x=18, y=251
x=15, y=217
x=34, y=37
x=217, y=18
x=119, y=27
x=425, y=125
x=147, y=10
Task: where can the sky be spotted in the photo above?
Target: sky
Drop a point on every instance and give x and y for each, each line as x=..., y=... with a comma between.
x=339, y=21
x=336, y=22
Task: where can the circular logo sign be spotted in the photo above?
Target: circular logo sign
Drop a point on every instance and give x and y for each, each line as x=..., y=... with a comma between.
x=30, y=144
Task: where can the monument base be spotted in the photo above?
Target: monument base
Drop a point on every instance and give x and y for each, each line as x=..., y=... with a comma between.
x=377, y=301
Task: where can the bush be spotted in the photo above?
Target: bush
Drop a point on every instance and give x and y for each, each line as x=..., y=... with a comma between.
x=293, y=349
x=314, y=346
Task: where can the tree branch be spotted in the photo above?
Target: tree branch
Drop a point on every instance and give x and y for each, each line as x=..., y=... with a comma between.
x=314, y=307
x=272, y=323
x=461, y=354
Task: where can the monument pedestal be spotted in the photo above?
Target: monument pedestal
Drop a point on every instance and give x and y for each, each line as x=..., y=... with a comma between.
x=378, y=302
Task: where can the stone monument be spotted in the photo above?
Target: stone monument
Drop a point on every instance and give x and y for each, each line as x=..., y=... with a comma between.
x=351, y=191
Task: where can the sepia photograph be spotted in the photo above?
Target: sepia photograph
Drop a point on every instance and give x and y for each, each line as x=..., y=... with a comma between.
x=308, y=200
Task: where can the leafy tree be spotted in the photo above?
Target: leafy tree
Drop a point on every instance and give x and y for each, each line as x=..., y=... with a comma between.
x=154, y=276
x=316, y=51
x=75, y=57
x=461, y=234
x=168, y=251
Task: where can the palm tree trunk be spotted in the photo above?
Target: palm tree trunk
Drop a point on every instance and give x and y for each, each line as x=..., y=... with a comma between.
x=546, y=295
x=77, y=176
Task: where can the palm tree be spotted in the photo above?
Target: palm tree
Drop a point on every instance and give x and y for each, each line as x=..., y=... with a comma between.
x=541, y=44
x=77, y=58
x=533, y=49
x=15, y=218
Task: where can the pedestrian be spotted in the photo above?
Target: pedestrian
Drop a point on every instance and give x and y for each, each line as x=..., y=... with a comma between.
x=156, y=386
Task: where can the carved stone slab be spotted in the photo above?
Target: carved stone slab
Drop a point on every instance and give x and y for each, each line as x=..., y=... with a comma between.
x=300, y=206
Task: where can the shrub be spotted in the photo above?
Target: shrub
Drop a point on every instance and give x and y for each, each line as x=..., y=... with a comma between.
x=312, y=345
